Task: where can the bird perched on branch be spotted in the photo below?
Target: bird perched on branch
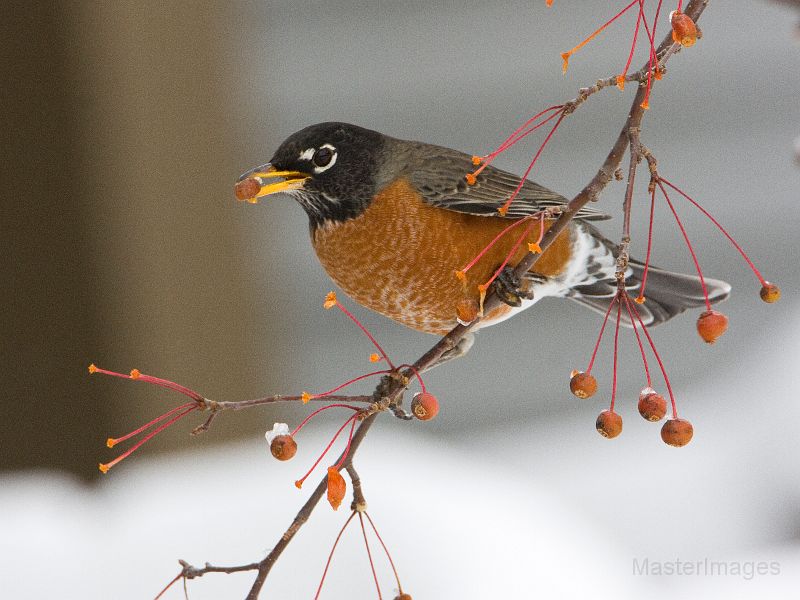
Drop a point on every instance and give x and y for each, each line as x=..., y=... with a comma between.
x=394, y=222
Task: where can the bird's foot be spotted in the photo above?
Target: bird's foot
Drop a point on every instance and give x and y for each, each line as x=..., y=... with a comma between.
x=510, y=289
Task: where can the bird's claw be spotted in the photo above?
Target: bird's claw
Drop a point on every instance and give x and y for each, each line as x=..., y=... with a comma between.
x=510, y=289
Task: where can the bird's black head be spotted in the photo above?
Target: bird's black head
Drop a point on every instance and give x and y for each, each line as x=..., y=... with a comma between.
x=331, y=169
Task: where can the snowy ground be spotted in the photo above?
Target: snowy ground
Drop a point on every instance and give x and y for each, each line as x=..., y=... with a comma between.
x=550, y=510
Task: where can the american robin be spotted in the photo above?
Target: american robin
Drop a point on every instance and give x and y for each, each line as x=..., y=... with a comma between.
x=392, y=221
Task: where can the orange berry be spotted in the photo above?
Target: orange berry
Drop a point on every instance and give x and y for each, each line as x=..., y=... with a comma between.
x=677, y=432
x=247, y=188
x=684, y=31
x=467, y=311
x=652, y=406
x=425, y=406
x=403, y=597
x=583, y=385
x=471, y=179
x=609, y=424
x=711, y=325
x=770, y=292
x=336, y=487
x=283, y=447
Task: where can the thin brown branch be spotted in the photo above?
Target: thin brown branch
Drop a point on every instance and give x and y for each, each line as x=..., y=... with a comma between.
x=217, y=407
x=190, y=572
x=302, y=516
x=359, y=502
x=389, y=391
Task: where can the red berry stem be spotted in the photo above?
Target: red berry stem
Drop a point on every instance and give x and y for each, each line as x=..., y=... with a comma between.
x=621, y=78
x=416, y=374
x=319, y=410
x=111, y=442
x=660, y=363
x=349, y=441
x=518, y=134
x=492, y=243
x=749, y=262
x=688, y=244
x=386, y=550
x=649, y=245
x=655, y=19
x=600, y=336
x=352, y=381
x=638, y=340
x=565, y=55
x=190, y=407
x=616, y=353
x=299, y=482
x=502, y=210
x=652, y=61
x=509, y=256
x=366, y=332
x=369, y=555
x=330, y=556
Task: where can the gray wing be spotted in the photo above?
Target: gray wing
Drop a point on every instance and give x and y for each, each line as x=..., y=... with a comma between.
x=438, y=173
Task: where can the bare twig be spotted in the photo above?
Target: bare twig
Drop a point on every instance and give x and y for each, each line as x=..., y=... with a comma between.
x=389, y=391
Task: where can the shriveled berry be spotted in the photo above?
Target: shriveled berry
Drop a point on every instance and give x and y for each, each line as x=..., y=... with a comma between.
x=770, y=292
x=609, y=424
x=425, y=406
x=467, y=311
x=684, y=31
x=247, y=188
x=711, y=325
x=283, y=447
x=583, y=385
x=337, y=488
x=652, y=406
x=677, y=432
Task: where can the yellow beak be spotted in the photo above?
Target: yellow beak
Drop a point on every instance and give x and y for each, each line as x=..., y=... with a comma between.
x=253, y=184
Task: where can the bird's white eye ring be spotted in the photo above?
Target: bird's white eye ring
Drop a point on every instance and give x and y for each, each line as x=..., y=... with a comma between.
x=324, y=158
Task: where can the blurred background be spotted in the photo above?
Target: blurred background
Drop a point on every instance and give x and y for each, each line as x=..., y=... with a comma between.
x=125, y=126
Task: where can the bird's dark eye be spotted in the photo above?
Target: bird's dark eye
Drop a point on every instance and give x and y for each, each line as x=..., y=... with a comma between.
x=322, y=157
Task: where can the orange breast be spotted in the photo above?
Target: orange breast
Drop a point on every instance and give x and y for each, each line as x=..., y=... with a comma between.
x=400, y=256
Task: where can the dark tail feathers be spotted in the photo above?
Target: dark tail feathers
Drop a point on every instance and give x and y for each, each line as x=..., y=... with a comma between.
x=667, y=294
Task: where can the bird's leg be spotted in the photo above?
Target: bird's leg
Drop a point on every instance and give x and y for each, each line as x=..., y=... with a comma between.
x=460, y=349
x=510, y=289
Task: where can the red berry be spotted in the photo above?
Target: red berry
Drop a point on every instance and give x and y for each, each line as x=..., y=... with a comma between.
x=583, y=385
x=425, y=406
x=677, y=432
x=609, y=424
x=770, y=292
x=247, y=188
x=652, y=406
x=711, y=325
x=283, y=447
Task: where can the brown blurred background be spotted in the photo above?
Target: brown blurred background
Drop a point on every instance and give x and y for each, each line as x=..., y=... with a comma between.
x=120, y=241
x=126, y=123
